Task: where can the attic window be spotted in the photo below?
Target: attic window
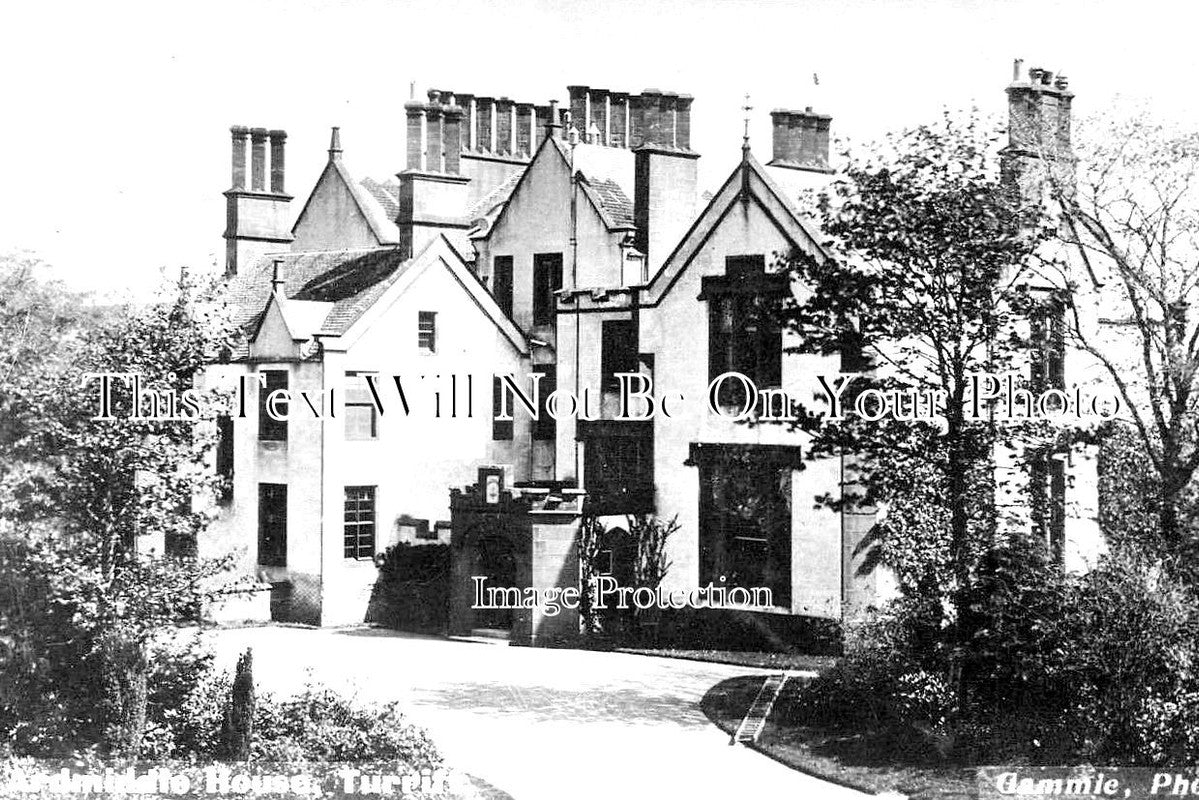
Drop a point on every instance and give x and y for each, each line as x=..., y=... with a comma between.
x=426, y=331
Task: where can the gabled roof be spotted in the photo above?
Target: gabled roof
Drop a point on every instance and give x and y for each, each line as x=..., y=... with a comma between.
x=606, y=181
x=607, y=177
x=609, y=198
x=482, y=215
x=329, y=292
x=387, y=195
x=372, y=207
x=344, y=280
x=749, y=182
x=438, y=252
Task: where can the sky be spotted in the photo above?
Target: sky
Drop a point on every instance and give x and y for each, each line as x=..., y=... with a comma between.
x=116, y=114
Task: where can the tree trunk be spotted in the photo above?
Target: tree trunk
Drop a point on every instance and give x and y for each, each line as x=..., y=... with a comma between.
x=958, y=467
x=123, y=672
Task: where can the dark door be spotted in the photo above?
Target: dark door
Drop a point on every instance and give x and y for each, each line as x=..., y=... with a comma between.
x=497, y=562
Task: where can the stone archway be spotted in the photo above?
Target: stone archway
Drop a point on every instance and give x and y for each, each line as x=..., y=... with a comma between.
x=520, y=538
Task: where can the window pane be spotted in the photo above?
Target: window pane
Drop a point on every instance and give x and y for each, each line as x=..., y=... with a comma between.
x=547, y=279
x=360, y=522
x=361, y=420
x=426, y=331
x=545, y=427
x=501, y=430
x=745, y=524
x=272, y=524
x=619, y=350
x=224, y=457
x=501, y=283
x=271, y=430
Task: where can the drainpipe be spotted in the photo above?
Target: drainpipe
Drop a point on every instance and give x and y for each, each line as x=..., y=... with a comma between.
x=574, y=285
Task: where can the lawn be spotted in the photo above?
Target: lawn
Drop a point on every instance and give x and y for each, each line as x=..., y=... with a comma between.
x=860, y=761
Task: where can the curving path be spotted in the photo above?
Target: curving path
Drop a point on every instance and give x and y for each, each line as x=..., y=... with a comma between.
x=538, y=724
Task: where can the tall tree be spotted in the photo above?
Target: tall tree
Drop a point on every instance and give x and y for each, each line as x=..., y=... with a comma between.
x=929, y=247
x=90, y=491
x=1130, y=226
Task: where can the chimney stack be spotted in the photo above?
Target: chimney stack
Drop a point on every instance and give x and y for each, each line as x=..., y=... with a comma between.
x=451, y=122
x=525, y=130
x=1039, y=111
x=664, y=172
x=503, y=127
x=485, y=124
x=415, y=135
x=801, y=139
x=240, y=132
x=256, y=219
x=278, y=139
x=258, y=159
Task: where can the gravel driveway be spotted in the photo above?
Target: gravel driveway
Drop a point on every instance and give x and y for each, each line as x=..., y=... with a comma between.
x=538, y=724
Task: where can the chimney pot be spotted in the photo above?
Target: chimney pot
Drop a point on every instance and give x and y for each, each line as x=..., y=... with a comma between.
x=1017, y=70
x=239, y=155
x=485, y=124
x=433, y=138
x=452, y=138
x=258, y=159
x=278, y=140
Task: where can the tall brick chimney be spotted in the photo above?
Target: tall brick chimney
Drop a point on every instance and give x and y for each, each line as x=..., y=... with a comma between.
x=1039, y=109
x=433, y=195
x=257, y=218
x=493, y=138
x=801, y=139
x=664, y=182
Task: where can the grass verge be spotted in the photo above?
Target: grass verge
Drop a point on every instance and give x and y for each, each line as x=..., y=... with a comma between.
x=858, y=761
x=779, y=661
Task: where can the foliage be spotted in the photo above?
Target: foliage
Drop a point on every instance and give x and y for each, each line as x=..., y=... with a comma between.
x=319, y=724
x=651, y=535
x=81, y=495
x=413, y=588
x=1130, y=260
x=190, y=701
x=638, y=559
x=1098, y=667
x=927, y=245
x=237, y=724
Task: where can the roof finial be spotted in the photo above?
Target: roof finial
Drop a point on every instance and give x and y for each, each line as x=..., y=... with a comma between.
x=335, y=144
x=745, y=138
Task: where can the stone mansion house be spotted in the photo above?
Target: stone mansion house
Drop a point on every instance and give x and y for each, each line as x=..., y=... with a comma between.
x=565, y=246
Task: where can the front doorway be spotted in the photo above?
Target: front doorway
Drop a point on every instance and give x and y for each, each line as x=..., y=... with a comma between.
x=497, y=563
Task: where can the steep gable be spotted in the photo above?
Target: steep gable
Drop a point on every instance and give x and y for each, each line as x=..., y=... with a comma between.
x=748, y=183
x=341, y=214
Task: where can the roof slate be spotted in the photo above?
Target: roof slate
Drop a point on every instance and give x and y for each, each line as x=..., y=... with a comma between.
x=348, y=279
x=613, y=200
x=387, y=195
